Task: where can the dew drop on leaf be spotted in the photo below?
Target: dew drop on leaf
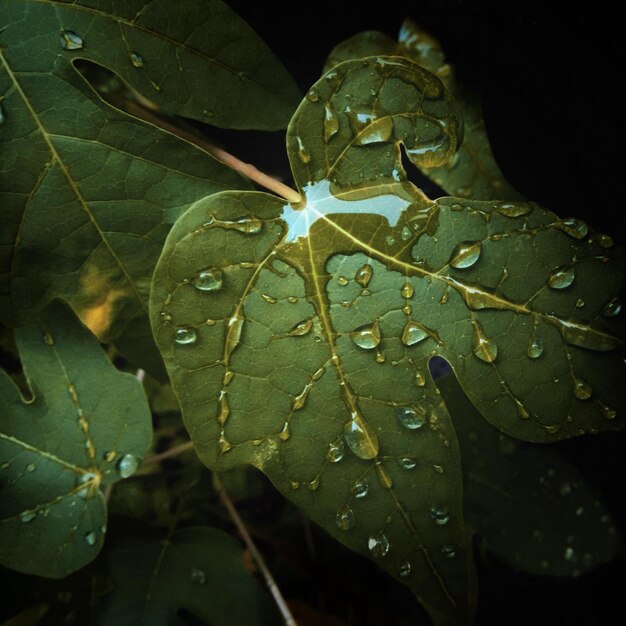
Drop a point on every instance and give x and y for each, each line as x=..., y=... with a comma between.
x=407, y=462
x=185, y=335
x=336, y=450
x=465, y=254
x=405, y=569
x=516, y=209
x=27, y=516
x=574, y=227
x=109, y=456
x=303, y=153
x=48, y=339
x=198, y=577
x=484, y=348
x=312, y=96
x=613, y=308
x=407, y=291
x=420, y=381
x=378, y=545
x=209, y=279
x=440, y=515
x=331, y=122
x=535, y=348
x=410, y=418
x=127, y=465
x=367, y=337
x=342, y=280
x=136, y=59
x=413, y=333
x=448, y=551
x=582, y=389
x=360, y=488
x=90, y=538
x=607, y=412
x=30, y=467
x=364, y=275
x=562, y=277
x=569, y=554
x=345, y=518
x=605, y=241
x=70, y=40
x=361, y=439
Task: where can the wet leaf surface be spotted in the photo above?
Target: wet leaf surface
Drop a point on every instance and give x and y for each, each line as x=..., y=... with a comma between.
x=198, y=570
x=472, y=172
x=82, y=430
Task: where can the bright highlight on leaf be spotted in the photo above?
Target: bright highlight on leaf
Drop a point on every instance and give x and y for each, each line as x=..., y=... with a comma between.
x=81, y=431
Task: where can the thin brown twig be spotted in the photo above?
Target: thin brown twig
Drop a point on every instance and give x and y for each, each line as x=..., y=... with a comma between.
x=247, y=169
x=265, y=572
x=169, y=453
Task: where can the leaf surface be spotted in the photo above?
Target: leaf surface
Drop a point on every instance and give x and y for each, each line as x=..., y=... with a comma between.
x=83, y=429
x=197, y=569
x=472, y=172
x=532, y=507
x=88, y=193
x=297, y=337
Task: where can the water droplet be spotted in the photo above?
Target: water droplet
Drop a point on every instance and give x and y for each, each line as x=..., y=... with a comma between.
x=70, y=40
x=514, y=209
x=607, y=412
x=579, y=511
x=136, y=59
x=465, y=254
x=331, y=122
x=582, y=389
x=613, y=308
x=312, y=96
x=420, y=381
x=361, y=439
x=342, y=280
x=345, y=518
x=413, y=333
x=411, y=418
x=269, y=299
x=407, y=291
x=30, y=467
x=396, y=175
x=368, y=128
x=367, y=337
x=604, y=241
x=580, y=303
x=209, y=279
x=284, y=434
x=448, y=551
x=27, y=516
x=127, y=465
x=378, y=545
x=198, y=577
x=484, y=348
x=90, y=538
x=535, y=348
x=303, y=153
x=562, y=277
x=48, y=339
x=440, y=515
x=569, y=554
x=364, y=275
x=404, y=569
x=109, y=456
x=389, y=240
x=438, y=468
x=185, y=335
x=233, y=334
x=5, y=465
x=360, y=488
x=313, y=485
x=574, y=227
x=407, y=462
x=336, y=451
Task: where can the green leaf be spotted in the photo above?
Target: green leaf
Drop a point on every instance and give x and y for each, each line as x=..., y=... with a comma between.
x=197, y=569
x=473, y=171
x=297, y=337
x=82, y=429
x=533, y=508
x=88, y=193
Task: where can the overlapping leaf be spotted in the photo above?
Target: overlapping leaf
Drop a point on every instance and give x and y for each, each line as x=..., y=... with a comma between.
x=83, y=429
x=88, y=193
x=199, y=570
x=532, y=507
x=298, y=337
x=472, y=172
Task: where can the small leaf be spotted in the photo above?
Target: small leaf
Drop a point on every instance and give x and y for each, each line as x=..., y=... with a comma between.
x=199, y=570
x=532, y=507
x=472, y=172
x=83, y=429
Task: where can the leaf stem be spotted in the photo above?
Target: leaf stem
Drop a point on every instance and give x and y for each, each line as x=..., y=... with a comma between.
x=247, y=169
x=169, y=453
x=267, y=575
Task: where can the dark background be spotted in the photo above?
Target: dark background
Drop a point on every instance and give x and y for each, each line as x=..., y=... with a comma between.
x=551, y=80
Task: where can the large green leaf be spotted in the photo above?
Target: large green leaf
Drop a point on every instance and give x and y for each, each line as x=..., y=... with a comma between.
x=88, y=193
x=84, y=428
x=472, y=172
x=297, y=338
x=197, y=569
x=532, y=507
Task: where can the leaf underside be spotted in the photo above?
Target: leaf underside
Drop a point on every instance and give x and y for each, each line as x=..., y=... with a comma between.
x=83, y=429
